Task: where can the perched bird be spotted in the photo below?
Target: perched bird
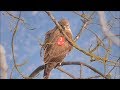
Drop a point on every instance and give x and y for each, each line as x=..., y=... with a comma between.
x=56, y=47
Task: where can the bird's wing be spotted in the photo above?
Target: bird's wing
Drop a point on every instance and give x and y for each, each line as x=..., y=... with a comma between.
x=54, y=52
x=48, y=39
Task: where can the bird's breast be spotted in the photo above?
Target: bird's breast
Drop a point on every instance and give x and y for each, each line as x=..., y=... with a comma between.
x=61, y=41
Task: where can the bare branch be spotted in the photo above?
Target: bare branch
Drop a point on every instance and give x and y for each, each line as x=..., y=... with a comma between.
x=12, y=44
x=36, y=71
x=99, y=42
x=90, y=67
x=82, y=29
x=85, y=24
x=40, y=68
x=80, y=71
x=27, y=26
x=66, y=72
x=11, y=72
x=97, y=76
x=113, y=67
x=14, y=16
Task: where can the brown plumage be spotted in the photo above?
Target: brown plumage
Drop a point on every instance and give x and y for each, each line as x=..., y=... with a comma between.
x=56, y=47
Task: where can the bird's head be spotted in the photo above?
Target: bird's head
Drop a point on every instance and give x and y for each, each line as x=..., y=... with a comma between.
x=65, y=24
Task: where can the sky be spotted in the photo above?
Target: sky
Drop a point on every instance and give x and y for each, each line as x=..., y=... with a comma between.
x=26, y=43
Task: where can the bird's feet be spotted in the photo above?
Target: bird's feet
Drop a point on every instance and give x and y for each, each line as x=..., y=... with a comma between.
x=58, y=65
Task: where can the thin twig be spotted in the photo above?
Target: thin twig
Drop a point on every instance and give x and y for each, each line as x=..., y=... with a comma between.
x=84, y=26
x=66, y=72
x=97, y=76
x=113, y=67
x=99, y=42
x=25, y=24
x=14, y=16
x=80, y=71
x=12, y=44
x=11, y=73
x=36, y=71
x=82, y=29
x=90, y=67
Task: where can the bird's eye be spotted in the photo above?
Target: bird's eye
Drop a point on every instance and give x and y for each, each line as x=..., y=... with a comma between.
x=63, y=26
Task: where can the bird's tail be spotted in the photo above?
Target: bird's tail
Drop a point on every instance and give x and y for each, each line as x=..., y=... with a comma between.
x=47, y=71
x=48, y=68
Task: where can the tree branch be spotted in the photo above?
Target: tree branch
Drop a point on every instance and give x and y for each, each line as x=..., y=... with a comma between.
x=22, y=20
x=66, y=72
x=14, y=16
x=85, y=24
x=81, y=71
x=12, y=44
x=40, y=68
x=113, y=67
x=90, y=67
x=36, y=71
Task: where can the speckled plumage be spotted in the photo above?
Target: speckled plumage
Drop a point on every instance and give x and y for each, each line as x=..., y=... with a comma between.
x=54, y=53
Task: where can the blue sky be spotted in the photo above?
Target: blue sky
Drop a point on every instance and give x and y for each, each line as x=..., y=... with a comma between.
x=27, y=47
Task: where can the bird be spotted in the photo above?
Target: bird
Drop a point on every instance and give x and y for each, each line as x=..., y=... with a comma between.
x=56, y=47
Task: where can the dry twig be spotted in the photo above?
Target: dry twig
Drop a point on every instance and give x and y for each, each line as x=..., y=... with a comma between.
x=12, y=44
x=66, y=72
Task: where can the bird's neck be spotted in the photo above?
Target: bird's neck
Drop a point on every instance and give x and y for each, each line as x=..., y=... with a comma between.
x=69, y=30
x=66, y=30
